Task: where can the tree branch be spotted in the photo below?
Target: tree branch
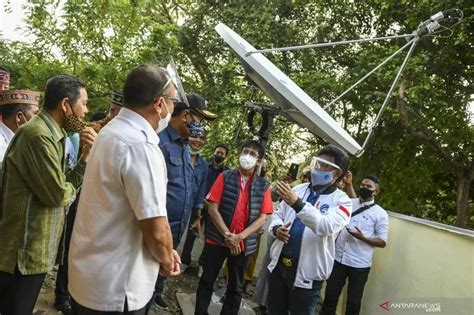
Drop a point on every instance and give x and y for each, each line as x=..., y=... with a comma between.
x=424, y=133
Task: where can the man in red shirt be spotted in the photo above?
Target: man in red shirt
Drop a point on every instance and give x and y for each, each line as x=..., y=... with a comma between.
x=239, y=202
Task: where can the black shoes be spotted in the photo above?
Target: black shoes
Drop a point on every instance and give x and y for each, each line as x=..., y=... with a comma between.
x=160, y=302
x=64, y=307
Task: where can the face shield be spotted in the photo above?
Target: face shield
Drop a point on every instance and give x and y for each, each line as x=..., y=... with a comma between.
x=174, y=76
x=323, y=165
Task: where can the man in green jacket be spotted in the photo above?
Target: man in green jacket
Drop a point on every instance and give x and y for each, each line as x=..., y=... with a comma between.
x=36, y=190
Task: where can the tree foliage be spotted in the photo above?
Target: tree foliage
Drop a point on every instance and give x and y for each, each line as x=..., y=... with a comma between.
x=422, y=149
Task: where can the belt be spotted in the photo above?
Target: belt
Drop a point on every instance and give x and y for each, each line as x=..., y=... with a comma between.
x=288, y=262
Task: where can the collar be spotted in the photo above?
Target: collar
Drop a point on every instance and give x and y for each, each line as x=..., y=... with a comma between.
x=211, y=165
x=7, y=131
x=366, y=203
x=141, y=123
x=325, y=191
x=250, y=177
x=57, y=132
x=199, y=160
x=173, y=134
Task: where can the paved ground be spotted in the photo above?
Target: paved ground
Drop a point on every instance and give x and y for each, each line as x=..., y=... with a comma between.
x=183, y=287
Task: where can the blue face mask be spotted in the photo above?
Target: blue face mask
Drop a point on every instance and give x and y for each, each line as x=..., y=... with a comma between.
x=196, y=129
x=321, y=178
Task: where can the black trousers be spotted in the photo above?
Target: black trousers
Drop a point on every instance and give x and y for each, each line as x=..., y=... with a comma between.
x=189, y=243
x=213, y=259
x=18, y=293
x=355, y=290
x=284, y=298
x=61, y=291
x=78, y=309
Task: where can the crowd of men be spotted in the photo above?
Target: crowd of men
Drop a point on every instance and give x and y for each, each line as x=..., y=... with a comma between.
x=110, y=200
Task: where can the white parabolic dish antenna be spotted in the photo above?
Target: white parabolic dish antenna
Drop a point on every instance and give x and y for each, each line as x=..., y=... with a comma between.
x=286, y=94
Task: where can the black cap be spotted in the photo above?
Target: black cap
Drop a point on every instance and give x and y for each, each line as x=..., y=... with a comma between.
x=117, y=98
x=199, y=105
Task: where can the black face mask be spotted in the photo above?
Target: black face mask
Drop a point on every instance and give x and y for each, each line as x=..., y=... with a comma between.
x=218, y=158
x=365, y=193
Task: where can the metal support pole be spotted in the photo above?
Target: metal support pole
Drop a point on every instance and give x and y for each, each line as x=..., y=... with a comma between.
x=343, y=42
x=370, y=73
x=387, y=97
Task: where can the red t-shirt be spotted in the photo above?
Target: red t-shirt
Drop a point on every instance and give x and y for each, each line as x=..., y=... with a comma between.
x=241, y=213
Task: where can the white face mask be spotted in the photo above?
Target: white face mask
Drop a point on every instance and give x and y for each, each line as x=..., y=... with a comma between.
x=247, y=161
x=163, y=123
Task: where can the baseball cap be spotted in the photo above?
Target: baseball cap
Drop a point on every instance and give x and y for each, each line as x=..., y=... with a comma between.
x=198, y=104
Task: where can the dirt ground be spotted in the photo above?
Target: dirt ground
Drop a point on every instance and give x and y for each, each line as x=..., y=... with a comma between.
x=185, y=283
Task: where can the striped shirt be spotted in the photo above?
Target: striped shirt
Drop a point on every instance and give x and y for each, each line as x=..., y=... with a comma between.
x=35, y=194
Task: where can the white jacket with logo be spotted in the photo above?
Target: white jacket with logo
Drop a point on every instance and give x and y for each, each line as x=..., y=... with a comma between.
x=323, y=222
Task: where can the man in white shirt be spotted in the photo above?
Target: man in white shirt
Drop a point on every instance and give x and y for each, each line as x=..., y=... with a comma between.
x=121, y=237
x=306, y=225
x=16, y=108
x=355, y=245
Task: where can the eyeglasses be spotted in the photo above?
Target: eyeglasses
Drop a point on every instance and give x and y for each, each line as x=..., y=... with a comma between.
x=250, y=152
x=200, y=120
x=174, y=99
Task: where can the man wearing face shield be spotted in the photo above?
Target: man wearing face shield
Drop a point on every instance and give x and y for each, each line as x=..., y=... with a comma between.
x=306, y=225
x=16, y=108
x=239, y=202
x=185, y=122
x=121, y=238
x=36, y=191
x=355, y=246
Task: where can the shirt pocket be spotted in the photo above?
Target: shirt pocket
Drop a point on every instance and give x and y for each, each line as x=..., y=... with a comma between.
x=366, y=224
x=175, y=169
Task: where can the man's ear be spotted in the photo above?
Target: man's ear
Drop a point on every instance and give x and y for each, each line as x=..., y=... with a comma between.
x=18, y=116
x=184, y=113
x=376, y=191
x=65, y=105
x=158, y=104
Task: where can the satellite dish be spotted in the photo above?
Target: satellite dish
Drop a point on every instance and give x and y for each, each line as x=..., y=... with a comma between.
x=288, y=96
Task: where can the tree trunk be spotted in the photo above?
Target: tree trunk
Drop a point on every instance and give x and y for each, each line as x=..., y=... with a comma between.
x=462, y=201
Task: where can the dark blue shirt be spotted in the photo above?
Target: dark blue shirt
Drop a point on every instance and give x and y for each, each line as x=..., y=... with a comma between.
x=212, y=175
x=199, y=183
x=179, y=197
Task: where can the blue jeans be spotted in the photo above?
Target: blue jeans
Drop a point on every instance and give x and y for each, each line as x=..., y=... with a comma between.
x=283, y=297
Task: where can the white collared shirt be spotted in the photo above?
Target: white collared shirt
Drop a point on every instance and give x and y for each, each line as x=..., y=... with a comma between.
x=6, y=136
x=124, y=182
x=373, y=223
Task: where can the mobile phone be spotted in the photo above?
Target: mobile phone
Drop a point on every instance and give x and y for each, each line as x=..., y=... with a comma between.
x=293, y=171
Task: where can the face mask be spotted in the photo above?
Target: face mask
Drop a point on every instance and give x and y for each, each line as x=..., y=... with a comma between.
x=321, y=178
x=218, y=158
x=247, y=161
x=72, y=123
x=196, y=129
x=163, y=123
x=365, y=193
x=195, y=152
